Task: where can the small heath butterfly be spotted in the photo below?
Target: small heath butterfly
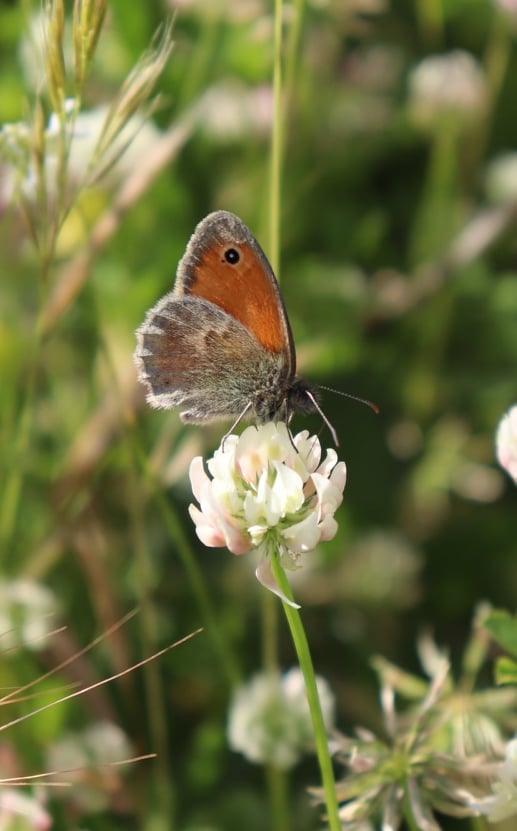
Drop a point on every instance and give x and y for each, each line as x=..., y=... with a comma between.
x=219, y=345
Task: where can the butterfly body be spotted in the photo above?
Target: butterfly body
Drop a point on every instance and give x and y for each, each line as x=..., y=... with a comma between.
x=219, y=345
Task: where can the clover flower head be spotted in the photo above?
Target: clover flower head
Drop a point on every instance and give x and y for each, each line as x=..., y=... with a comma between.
x=230, y=110
x=506, y=442
x=501, y=178
x=27, y=615
x=88, y=158
x=508, y=8
x=503, y=802
x=418, y=770
x=447, y=86
x=268, y=491
x=79, y=755
x=23, y=811
x=269, y=720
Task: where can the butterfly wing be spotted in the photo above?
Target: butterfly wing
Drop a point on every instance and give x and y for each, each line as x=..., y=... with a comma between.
x=220, y=343
x=192, y=354
x=225, y=265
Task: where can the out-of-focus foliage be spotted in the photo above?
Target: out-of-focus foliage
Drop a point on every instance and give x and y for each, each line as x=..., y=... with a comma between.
x=399, y=209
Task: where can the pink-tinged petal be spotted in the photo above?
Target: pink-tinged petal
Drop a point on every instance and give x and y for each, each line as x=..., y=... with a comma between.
x=236, y=542
x=207, y=533
x=506, y=442
x=218, y=517
x=264, y=575
x=198, y=477
x=328, y=528
x=33, y=815
x=215, y=530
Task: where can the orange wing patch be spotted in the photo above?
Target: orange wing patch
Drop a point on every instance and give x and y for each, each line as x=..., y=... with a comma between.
x=245, y=290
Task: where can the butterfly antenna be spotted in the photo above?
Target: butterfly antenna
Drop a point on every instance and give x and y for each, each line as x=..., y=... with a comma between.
x=318, y=409
x=369, y=404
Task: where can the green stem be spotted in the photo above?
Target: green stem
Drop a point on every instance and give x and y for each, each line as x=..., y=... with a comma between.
x=498, y=54
x=436, y=217
x=269, y=632
x=278, y=799
x=18, y=460
x=430, y=22
x=293, y=46
x=478, y=823
x=276, y=780
x=304, y=658
x=276, y=146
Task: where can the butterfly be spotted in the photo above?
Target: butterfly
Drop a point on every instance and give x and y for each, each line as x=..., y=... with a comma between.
x=219, y=345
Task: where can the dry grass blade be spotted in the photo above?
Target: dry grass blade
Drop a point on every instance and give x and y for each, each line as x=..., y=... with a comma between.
x=25, y=781
x=90, y=687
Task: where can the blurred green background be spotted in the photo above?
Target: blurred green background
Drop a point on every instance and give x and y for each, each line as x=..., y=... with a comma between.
x=399, y=200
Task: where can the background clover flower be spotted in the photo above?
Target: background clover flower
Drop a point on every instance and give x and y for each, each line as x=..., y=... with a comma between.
x=270, y=492
x=503, y=802
x=408, y=774
x=269, y=720
x=438, y=751
x=23, y=811
x=447, y=86
x=506, y=442
x=28, y=613
x=79, y=755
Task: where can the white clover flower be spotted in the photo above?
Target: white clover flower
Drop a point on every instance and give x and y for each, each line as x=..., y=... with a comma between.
x=19, y=172
x=501, y=178
x=87, y=157
x=451, y=85
x=270, y=492
x=508, y=8
x=22, y=811
x=78, y=756
x=506, y=442
x=230, y=110
x=269, y=720
x=27, y=615
x=503, y=802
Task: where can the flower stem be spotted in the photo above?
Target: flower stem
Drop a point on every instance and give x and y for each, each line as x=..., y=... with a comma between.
x=304, y=658
x=269, y=632
x=278, y=798
x=430, y=21
x=18, y=462
x=478, y=823
x=276, y=146
x=277, y=781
